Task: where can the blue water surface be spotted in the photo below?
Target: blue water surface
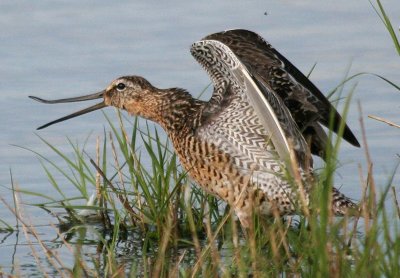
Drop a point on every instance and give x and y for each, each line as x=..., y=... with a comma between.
x=56, y=49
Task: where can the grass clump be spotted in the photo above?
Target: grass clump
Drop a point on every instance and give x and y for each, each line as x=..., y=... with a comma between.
x=148, y=220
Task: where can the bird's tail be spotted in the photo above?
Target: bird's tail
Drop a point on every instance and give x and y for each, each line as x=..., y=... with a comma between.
x=342, y=205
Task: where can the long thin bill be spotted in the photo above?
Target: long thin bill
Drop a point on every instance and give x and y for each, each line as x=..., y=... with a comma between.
x=72, y=99
x=76, y=114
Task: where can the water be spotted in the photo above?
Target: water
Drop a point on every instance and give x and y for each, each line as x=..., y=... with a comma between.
x=62, y=49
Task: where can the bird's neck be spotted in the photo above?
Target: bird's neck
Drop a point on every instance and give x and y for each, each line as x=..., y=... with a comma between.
x=178, y=111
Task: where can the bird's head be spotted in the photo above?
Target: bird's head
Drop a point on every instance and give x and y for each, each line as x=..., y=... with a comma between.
x=131, y=93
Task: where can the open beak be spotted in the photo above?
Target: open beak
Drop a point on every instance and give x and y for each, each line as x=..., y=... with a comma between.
x=73, y=99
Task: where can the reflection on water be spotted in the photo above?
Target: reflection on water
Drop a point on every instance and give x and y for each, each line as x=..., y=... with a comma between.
x=62, y=49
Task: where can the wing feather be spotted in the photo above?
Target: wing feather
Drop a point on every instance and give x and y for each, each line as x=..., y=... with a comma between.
x=233, y=83
x=305, y=101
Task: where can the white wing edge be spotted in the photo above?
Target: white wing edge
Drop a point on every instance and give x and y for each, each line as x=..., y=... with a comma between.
x=267, y=116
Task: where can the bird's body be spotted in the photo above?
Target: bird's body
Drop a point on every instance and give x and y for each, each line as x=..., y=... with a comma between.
x=239, y=144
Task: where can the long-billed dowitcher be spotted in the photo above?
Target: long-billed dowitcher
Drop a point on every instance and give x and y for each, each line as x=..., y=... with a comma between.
x=263, y=114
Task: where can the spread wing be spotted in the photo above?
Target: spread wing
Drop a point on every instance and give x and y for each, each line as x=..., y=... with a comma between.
x=307, y=105
x=244, y=113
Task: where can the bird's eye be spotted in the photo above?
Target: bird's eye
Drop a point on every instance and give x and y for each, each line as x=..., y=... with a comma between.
x=120, y=86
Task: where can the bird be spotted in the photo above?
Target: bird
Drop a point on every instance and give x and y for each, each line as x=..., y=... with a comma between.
x=259, y=128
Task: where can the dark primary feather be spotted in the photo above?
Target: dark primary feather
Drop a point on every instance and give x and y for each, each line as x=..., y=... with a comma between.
x=303, y=99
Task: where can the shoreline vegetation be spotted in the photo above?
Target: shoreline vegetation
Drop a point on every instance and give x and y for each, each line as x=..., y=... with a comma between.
x=179, y=230
x=149, y=220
